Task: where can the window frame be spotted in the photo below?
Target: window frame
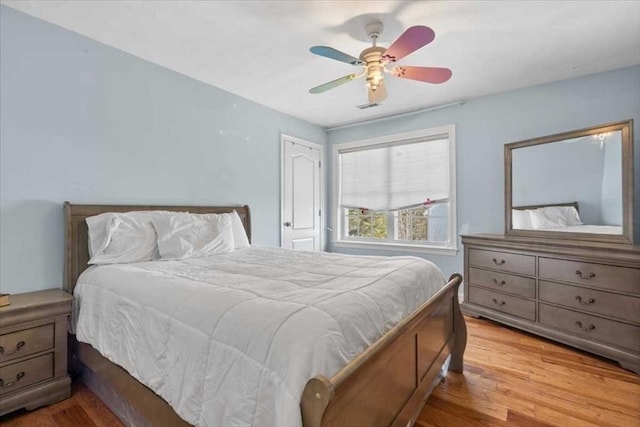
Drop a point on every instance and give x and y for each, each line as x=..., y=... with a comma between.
x=339, y=240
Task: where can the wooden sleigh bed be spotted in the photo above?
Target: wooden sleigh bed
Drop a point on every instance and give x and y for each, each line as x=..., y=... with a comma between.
x=386, y=385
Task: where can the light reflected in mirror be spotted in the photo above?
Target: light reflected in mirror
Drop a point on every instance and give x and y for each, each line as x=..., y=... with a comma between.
x=572, y=185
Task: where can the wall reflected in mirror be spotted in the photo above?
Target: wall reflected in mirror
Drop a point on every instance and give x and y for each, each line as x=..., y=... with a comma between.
x=571, y=185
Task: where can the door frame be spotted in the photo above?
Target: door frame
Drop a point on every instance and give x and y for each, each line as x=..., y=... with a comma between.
x=288, y=138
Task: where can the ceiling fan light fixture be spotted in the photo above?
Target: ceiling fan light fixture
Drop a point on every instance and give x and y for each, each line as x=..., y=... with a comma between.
x=374, y=76
x=374, y=68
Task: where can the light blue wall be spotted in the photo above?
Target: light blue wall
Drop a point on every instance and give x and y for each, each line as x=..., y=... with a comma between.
x=87, y=123
x=484, y=125
x=561, y=172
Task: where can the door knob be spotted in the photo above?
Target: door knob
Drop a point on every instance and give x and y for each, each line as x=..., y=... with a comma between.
x=287, y=224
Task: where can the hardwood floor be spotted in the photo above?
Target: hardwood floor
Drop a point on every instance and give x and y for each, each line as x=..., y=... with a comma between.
x=82, y=409
x=511, y=379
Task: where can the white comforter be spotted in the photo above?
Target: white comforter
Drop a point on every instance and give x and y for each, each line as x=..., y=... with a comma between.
x=230, y=340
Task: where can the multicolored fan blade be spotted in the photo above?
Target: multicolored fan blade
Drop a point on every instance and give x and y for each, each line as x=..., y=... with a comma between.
x=332, y=53
x=410, y=41
x=334, y=83
x=423, y=74
x=379, y=95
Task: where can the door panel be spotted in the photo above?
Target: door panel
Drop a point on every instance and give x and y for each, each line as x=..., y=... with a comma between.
x=304, y=171
x=303, y=244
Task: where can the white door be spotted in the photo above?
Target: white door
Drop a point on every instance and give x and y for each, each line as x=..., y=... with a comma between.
x=301, y=195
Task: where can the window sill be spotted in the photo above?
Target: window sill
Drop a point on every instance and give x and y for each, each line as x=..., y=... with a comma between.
x=397, y=247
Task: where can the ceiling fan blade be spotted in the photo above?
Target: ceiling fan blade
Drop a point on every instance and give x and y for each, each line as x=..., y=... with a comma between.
x=410, y=41
x=334, y=83
x=379, y=95
x=423, y=74
x=332, y=53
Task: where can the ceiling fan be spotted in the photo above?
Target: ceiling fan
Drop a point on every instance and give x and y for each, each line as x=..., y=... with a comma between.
x=374, y=60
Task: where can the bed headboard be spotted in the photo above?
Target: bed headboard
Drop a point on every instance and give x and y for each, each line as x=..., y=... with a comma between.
x=76, y=233
x=574, y=204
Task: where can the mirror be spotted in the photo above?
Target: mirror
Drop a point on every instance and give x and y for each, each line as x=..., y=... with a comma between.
x=573, y=185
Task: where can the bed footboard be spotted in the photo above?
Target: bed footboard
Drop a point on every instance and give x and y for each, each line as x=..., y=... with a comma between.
x=388, y=384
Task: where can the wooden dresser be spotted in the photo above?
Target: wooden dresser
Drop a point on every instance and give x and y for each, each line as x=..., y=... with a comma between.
x=33, y=350
x=584, y=294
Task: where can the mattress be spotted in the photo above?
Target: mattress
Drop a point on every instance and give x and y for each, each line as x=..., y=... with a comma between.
x=584, y=228
x=232, y=339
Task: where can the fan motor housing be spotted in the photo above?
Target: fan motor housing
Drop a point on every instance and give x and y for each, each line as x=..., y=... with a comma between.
x=372, y=54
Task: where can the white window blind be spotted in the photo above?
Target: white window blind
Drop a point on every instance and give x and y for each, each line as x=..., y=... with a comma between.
x=388, y=177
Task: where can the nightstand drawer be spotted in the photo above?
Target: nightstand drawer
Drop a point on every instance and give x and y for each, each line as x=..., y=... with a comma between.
x=26, y=342
x=593, y=327
x=504, y=303
x=22, y=374
x=503, y=261
x=517, y=285
x=599, y=302
x=590, y=274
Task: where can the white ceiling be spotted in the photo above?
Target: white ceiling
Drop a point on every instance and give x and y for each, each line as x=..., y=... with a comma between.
x=260, y=49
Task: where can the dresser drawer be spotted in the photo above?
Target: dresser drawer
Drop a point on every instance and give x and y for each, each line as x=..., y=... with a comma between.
x=591, y=327
x=22, y=374
x=590, y=274
x=599, y=302
x=503, y=261
x=25, y=342
x=504, y=303
x=517, y=285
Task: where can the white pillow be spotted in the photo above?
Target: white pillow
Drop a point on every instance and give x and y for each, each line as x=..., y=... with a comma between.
x=541, y=220
x=191, y=235
x=520, y=219
x=570, y=214
x=240, y=238
x=124, y=239
x=99, y=226
x=554, y=217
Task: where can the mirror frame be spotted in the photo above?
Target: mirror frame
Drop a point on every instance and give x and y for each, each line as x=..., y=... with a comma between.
x=626, y=127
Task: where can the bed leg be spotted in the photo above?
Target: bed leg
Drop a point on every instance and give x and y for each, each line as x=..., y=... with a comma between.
x=459, y=329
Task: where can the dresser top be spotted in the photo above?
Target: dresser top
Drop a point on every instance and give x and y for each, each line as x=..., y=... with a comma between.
x=605, y=250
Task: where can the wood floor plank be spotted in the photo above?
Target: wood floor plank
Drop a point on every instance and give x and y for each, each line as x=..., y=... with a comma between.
x=562, y=419
x=98, y=412
x=521, y=420
x=466, y=415
x=73, y=416
x=22, y=419
x=593, y=368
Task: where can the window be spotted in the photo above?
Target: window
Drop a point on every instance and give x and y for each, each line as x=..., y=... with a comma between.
x=397, y=191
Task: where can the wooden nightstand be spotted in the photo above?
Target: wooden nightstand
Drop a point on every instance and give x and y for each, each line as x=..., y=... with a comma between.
x=33, y=350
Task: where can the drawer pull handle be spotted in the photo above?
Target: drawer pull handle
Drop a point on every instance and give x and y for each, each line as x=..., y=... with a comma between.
x=500, y=283
x=585, y=276
x=19, y=345
x=9, y=384
x=496, y=262
x=588, y=302
x=496, y=302
x=587, y=329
